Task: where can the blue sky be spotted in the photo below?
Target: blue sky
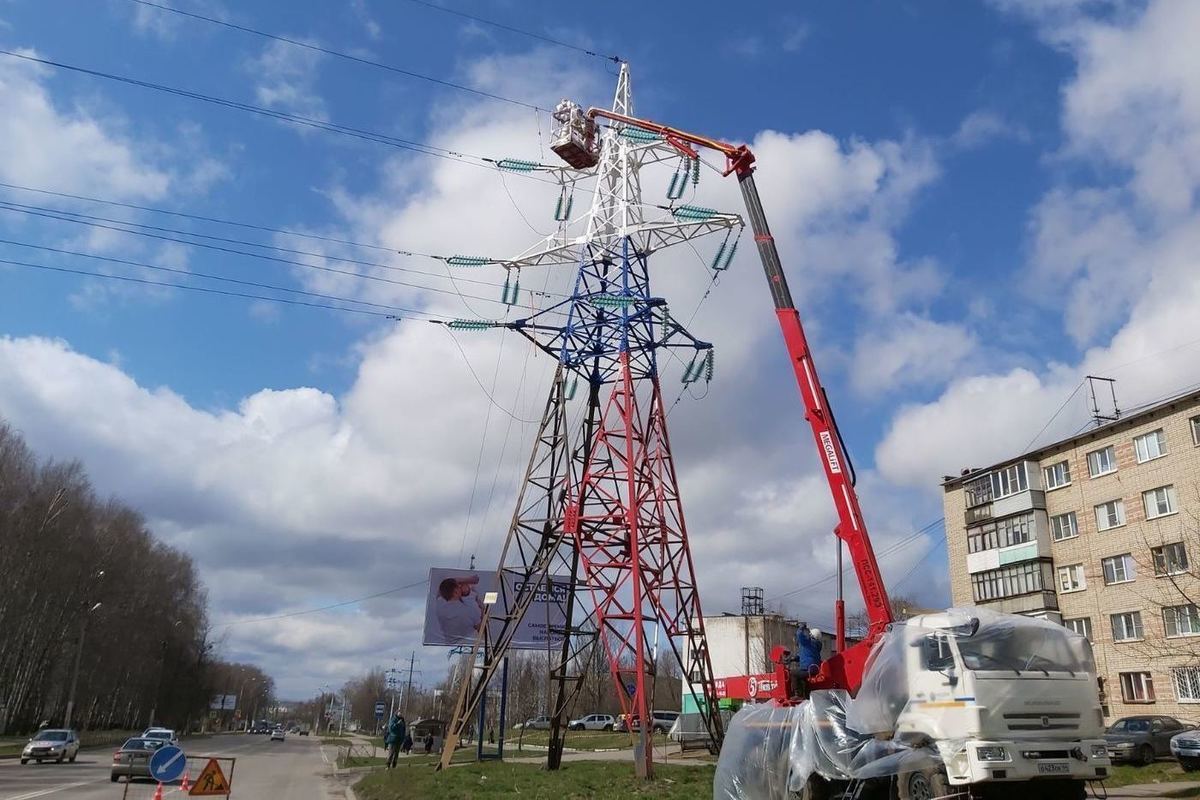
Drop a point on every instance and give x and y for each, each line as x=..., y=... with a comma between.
x=972, y=211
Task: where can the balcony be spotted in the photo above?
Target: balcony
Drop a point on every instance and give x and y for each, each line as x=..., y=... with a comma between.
x=1018, y=503
x=978, y=514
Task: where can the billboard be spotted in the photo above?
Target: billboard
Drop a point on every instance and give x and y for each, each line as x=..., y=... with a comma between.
x=223, y=702
x=454, y=609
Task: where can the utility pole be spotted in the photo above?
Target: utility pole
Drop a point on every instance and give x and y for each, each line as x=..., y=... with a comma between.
x=75, y=672
x=412, y=656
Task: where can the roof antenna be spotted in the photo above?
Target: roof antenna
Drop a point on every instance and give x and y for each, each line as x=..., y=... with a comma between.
x=1098, y=418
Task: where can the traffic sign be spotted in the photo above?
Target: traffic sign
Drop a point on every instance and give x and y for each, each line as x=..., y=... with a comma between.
x=211, y=781
x=167, y=764
x=380, y=709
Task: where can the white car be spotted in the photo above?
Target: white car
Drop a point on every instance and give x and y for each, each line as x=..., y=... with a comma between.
x=52, y=744
x=161, y=734
x=593, y=722
x=277, y=735
x=1186, y=749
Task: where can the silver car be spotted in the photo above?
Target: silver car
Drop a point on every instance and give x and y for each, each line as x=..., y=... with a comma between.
x=593, y=722
x=1186, y=749
x=52, y=744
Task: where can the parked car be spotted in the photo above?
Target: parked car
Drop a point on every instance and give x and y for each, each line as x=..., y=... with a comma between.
x=661, y=721
x=52, y=744
x=1141, y=740
x=593, y=722
x=535, y=724
x=277, y=735
x=1186, y=749
x=133, y=759
x=166, y=735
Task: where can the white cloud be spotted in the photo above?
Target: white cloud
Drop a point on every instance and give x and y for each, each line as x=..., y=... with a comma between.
x=285, y=79
x=910, y=351
x=68, y=150
x=982, y=126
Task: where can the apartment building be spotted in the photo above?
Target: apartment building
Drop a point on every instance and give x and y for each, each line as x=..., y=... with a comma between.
x=1099, y=532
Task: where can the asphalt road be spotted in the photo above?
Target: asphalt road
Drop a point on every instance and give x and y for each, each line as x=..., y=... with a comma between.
x=294, y=769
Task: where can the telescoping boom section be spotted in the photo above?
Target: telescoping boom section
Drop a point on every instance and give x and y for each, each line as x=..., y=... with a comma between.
x=844, y=670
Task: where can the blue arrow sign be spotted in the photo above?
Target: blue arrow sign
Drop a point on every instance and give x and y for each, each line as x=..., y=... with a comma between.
x=167, y=764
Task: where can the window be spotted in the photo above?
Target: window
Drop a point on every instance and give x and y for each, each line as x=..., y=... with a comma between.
x=1081, y=625
x=1118, y=569
x=1009, y=480
x=1127, y=627
x=1011, y=581
x=1170, y=559
x=1071, y=579
x=1102, y=462
x=1187, y=684
x=1181, y=620
x=1196, y=431
x=978, y=491
x=1137, y=687
x=1159, y=502
x=1003, y=533
x=1057, y=475
x=1110, y=515
x=1064, y=526
x=1150, y=446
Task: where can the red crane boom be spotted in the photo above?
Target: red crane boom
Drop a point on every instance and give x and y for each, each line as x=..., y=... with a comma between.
x=844, y=669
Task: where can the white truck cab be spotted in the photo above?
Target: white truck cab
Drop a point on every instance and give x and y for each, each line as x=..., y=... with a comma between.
x=1000, y=698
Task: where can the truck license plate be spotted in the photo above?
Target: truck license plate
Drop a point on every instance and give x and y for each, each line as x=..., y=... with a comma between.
x=1054, y=769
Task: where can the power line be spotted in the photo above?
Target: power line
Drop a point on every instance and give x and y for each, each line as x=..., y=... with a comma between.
x=888, y=551
x=204, y=289
x=76, y=216
x=208, y=276
x=329, y=607
x=336, y=53
x=1054, y=415
x=249, y=254
x=512, y=29
x=912, y=570
x=329, y=127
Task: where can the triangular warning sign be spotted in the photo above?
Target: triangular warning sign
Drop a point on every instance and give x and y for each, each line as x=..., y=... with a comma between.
x=211, y=781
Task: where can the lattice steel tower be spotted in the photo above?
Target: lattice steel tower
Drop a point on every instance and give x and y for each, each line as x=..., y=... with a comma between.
x=600, y=506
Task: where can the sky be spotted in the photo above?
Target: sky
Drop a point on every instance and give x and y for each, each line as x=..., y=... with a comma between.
x=977, y=204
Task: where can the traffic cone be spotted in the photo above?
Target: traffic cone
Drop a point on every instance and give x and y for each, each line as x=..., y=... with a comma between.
x=185, y=786
x=158, y=793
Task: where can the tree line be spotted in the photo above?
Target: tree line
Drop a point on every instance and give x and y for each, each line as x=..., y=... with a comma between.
x=101, y=625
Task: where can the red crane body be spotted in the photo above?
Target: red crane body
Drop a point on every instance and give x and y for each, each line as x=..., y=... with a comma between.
x=844, y=670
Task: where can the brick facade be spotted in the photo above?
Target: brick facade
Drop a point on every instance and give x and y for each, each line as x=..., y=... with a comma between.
x=1143, y=592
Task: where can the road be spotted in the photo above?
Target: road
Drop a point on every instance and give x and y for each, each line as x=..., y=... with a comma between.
x=290, y=770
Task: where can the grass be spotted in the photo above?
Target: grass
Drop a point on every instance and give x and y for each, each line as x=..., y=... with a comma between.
x=574, y=781
x=336, y=741
x=1159, y=772
x=576, y=740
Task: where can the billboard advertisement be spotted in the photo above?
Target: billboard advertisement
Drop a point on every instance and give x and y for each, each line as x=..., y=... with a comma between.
x=223, y=702
x=454, y=609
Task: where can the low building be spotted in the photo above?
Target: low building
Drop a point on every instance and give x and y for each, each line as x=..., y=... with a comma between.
x=1098, y=532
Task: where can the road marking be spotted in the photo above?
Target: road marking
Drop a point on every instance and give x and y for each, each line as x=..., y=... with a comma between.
x=51, y=790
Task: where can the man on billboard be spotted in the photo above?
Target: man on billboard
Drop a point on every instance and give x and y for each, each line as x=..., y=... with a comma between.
x=459, y=611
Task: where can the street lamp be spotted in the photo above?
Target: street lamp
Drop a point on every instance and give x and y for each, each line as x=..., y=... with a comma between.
x=78, y=656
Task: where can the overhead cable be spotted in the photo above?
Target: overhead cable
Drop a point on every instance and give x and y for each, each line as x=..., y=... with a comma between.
x=512, y=29
x=204, y=289
x=329, y=127
x=209, y=276
x=62, y=217
x=79, y=217
x=329, y=607
x=336, y=53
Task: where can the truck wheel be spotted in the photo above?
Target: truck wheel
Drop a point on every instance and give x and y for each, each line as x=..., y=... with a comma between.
x=1146, y=755
x=925, y=784
x=814, y=788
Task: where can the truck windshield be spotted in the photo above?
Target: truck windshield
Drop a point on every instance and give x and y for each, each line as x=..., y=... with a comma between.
x=1038, y=648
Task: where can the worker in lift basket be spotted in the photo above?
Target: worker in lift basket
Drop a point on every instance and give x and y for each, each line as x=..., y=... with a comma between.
x=806, y=661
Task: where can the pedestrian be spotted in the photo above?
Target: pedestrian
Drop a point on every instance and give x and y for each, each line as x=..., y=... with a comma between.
x=397, y=730
x=408, y=744
x=428, y=743
x=491, y=735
